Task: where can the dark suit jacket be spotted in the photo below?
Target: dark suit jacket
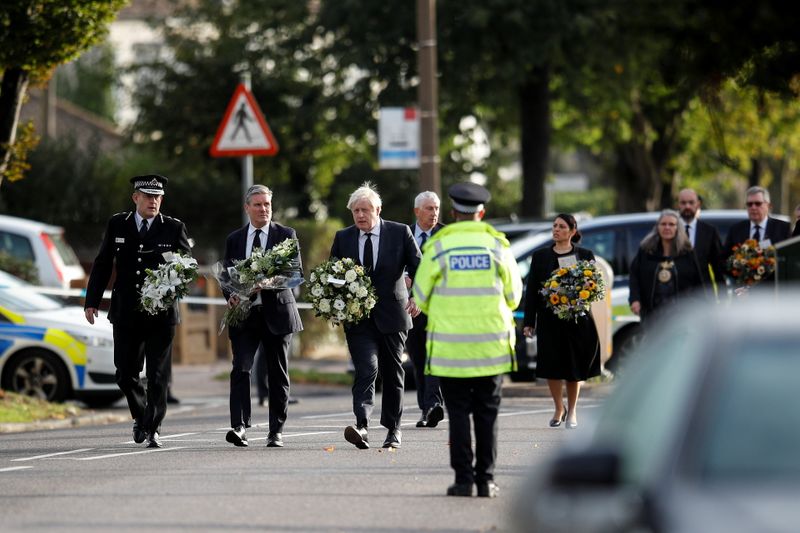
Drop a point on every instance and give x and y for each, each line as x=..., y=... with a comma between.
x=796, y=231
x=416, y=339
x=280, y=307
x=708, y=249
x=777, y=231
x=122, y=247
x=397, y=253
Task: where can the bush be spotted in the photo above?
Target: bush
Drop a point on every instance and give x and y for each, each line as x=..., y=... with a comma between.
x=21, y=268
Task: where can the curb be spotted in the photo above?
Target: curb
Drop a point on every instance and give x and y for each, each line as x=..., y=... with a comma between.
x=90, y=419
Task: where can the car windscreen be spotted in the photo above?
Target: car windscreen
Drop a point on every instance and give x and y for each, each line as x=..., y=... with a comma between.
x=751, y=428
x=22, y=300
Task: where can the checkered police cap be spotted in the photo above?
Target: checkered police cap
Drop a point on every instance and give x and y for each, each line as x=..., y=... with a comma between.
x=149, y=183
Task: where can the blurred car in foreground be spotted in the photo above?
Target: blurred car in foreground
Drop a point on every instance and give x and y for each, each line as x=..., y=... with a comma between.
x=49, y=351
x=702, y=434
x=44, y=246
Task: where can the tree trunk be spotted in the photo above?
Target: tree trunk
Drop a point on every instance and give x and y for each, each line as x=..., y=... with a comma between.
x=535, y=140
x=12, y=91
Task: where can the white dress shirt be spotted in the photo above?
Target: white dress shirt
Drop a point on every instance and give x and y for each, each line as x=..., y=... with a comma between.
x=251, y=234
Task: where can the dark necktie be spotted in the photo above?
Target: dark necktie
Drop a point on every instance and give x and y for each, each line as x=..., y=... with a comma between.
x=423, y=239
x=687, y=230
x=368, y=261
x=256, y=240
x=757, y=234
x=143, y=229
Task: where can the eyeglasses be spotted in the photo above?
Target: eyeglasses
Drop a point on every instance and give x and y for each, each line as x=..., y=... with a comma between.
x=756, y=204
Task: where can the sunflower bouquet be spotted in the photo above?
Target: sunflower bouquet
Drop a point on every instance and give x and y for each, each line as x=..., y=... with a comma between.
x=341, y=292
x=570, y=291
x=750, y=263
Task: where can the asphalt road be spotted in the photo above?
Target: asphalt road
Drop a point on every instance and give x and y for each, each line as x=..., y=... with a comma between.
x=95, y=478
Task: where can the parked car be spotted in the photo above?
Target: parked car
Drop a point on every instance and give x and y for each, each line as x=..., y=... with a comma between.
x=49, y=351
x=616, y=239
x=702, y=435
x=43, y=245
x=515, y=227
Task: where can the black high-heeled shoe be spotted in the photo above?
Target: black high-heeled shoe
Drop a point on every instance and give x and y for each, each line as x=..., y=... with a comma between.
x=555, y=422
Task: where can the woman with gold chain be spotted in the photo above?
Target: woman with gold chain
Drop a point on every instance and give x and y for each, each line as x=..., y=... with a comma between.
x=665, y=270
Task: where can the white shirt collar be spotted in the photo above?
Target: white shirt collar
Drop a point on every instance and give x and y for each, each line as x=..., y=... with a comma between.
x=762, y=224
x=139, y=219
x=376, y=230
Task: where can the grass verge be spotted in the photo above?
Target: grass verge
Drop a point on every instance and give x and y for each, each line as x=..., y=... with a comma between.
x=15, y=408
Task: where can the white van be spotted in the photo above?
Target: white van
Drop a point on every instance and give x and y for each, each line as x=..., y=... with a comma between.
x=44, y=245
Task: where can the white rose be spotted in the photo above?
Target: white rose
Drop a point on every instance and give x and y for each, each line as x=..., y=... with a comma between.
x=316, y=290
x=323, y=278
x=336, y=268
x=340, y=316
x=370, y=303
x=353, y=287
x=313, y=277
x=350, y=276
x=254, y=266
x=354, y=308
x=338, y=304
x=325, y=305
x=362, y=292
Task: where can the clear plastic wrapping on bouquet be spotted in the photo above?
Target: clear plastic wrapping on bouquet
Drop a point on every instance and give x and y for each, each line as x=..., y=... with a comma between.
x=232, y=282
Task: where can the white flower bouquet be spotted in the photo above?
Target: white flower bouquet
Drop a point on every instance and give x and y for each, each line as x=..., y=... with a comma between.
x=168, y=283
x=274, y=269
x=341, y=292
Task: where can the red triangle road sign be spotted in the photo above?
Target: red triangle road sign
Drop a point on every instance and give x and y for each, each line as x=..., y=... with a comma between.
x=243, y=130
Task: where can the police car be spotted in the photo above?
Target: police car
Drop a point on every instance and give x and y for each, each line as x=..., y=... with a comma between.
x=49, y=351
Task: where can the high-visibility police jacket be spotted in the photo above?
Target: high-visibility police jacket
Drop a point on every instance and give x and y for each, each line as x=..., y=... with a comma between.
x=468, y=284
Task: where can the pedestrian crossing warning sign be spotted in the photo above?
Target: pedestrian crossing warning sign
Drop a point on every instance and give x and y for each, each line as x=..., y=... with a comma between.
x=243, y=130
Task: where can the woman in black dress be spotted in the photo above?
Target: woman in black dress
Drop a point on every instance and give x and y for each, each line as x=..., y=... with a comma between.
x=665, y=270
x=567, y=350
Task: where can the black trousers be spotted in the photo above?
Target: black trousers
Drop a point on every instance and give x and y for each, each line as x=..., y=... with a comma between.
x=138, y=339
x=245, y=341
x=429, y=392
x=479, y=397
x=372, y=350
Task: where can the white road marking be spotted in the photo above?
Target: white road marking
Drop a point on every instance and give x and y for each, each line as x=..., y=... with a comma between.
x=541, y=411
x=178, y=435
x=110, y=455
x=52, y=454
x=310, y=433
x=334, y=415
x=13, y=468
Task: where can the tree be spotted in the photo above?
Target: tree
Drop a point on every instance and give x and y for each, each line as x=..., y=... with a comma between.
x=35, y=36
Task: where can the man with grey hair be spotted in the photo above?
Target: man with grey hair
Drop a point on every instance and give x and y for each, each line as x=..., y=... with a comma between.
x=387, y=251
x=272, y=321
x=760, y=227
x=429, y=393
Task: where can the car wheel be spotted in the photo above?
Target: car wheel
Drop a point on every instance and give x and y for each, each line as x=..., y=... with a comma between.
x=39, y=374
x=625, y=341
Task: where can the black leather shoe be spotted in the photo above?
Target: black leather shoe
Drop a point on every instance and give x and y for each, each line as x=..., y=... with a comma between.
x=392, y=439
x=423, y=420
x=292, y=400
x=172, y=400
x=275, y=440
x=435, y=415
x=153, y=441
x=488, y=489
x=357, y=436
x=237, y=436
x=139, y=434
x=460, y=489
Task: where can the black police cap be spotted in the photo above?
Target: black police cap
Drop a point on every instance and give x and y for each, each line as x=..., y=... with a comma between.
x=149, y=183
x=468, y=197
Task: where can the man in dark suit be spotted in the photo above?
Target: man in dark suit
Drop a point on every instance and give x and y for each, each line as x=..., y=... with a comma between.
x=429, y=393
x=796, y=231
x=759, y=226
x=135, y=241
x=704, y=237
x=387, y=251
x=272, y=321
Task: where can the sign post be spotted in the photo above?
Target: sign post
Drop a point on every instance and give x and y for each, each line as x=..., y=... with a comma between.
x=398, y=138
x=244, y=132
